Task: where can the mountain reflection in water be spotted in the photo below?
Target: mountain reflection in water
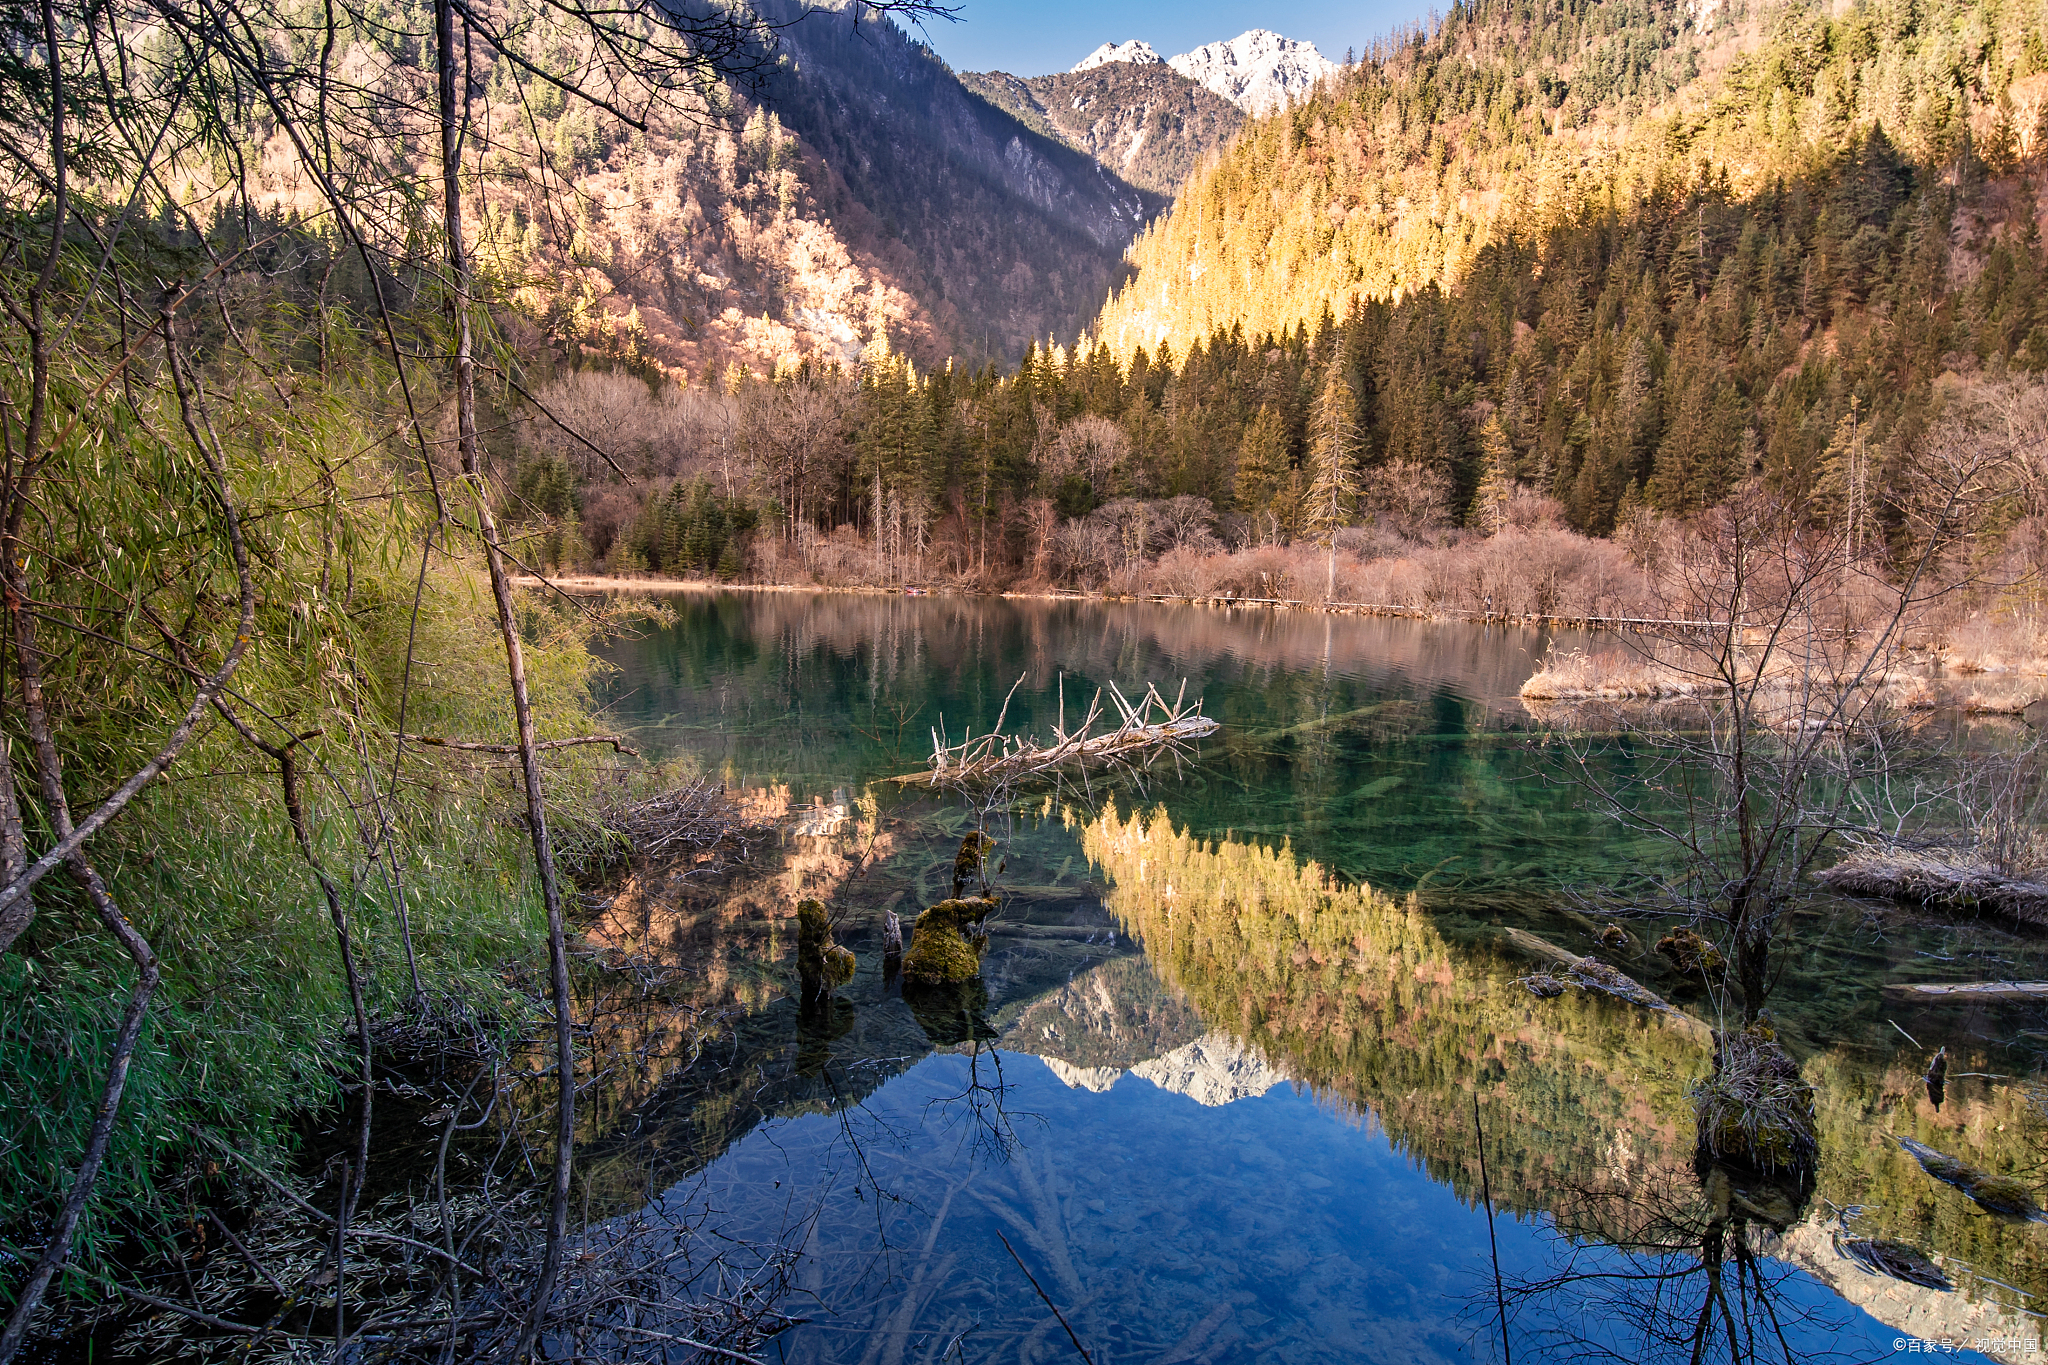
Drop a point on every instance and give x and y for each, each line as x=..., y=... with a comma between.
x=1218, y=1097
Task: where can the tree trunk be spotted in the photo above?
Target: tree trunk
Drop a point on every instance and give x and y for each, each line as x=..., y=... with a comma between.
x=454, y=120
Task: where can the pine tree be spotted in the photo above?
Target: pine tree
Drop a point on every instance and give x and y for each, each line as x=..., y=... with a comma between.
x=1496, y=479
x=1333, y=448
x=1261, y=461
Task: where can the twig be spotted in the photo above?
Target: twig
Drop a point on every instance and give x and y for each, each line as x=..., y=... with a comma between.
x=1486, y=1192
x=618, y=743
x=1046, y=1301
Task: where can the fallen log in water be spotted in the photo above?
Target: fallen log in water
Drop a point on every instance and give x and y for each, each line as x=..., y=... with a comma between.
x=1591, y=974
x=1957, y=880
x=1970, y=990
x=995, y=760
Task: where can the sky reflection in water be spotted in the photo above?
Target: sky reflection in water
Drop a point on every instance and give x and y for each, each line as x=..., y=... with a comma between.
x=1279, y=1220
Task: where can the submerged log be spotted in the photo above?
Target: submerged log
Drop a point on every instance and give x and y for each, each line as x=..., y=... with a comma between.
x=1591, y=974
x=1970, y=991
x=2004, y=1195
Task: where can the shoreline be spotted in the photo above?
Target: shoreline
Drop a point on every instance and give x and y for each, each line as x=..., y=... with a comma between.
x=600, y=583
x=1974, y=704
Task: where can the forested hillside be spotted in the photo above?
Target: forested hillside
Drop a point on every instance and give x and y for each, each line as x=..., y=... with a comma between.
x=838, y=184
x=1148, y=123
x=1613, y=258
x=1510, y=118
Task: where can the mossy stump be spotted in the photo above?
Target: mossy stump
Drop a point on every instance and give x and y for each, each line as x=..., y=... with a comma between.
x=947, y=942
x=823, y=965
x=1692, y=953
x=968, y=862
x=1756, y=1112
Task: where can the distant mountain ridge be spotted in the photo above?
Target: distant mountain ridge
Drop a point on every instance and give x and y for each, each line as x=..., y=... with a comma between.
x=1136, y=52
x=1143, y=121
x=1257, y=71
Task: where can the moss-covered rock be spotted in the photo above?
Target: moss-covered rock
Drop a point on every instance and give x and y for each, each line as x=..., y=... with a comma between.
x=1692, y=953
x=967, y=863
x=822, y=964
x=947, y=942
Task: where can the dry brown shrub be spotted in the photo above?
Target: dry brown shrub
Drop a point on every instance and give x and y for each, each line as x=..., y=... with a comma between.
x=1998, y=641
x=1612, y=675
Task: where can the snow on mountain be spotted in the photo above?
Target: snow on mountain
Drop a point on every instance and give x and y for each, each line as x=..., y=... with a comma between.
x=1136, y=52
x=1216, y=1069
x=1256, y=70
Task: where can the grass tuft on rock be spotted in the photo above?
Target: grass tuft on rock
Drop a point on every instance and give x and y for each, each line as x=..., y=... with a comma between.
x=1755, y=1112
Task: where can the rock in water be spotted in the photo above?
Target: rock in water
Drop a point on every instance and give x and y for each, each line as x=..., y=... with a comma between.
x=823, y=965
x=947, y=942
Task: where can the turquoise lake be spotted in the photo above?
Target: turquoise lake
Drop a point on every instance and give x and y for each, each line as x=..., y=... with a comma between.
x=1213, y=1095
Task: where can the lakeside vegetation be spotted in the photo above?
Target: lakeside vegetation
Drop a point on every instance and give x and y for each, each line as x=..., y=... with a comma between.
x=287, y=403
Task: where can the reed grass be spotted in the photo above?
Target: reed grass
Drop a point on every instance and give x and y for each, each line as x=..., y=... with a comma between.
x=247, y=1033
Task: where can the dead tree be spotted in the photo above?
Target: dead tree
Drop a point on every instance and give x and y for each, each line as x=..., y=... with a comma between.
x=1784, y=635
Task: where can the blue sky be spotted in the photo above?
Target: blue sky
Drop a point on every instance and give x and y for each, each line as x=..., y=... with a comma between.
x=1033, y=37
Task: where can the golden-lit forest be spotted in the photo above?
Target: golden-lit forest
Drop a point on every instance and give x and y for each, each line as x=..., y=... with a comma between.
x=1558, y=269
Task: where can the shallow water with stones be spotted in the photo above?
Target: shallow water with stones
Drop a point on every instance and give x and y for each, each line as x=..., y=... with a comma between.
x=1215, y=1095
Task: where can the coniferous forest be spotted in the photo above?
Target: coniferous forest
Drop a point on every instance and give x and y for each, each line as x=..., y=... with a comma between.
x=1578, y=267
x=347, y=345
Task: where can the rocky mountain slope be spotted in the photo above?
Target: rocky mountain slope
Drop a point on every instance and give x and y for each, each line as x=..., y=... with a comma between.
x=1136, y=52
x=1141, y=119
x=857, y=188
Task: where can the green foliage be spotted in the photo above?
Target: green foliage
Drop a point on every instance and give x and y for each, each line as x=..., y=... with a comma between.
x=129, y=562
x=691, y=528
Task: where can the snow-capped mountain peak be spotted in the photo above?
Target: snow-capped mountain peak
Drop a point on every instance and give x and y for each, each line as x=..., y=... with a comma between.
x=1256, y=70
x=1136, y=52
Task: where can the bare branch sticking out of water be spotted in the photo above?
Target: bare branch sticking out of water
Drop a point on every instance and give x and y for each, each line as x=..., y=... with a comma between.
x=690, y=819
x=1145, y=729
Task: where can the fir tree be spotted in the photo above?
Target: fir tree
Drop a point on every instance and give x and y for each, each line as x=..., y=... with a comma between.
x=1496, y=480
x=1333, y=448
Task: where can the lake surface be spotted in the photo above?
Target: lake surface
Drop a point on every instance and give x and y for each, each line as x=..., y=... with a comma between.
x=1215, y=1095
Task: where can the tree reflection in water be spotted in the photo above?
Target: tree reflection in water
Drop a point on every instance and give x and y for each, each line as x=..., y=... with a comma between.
x=1677, y=1265
x=1359, y=995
